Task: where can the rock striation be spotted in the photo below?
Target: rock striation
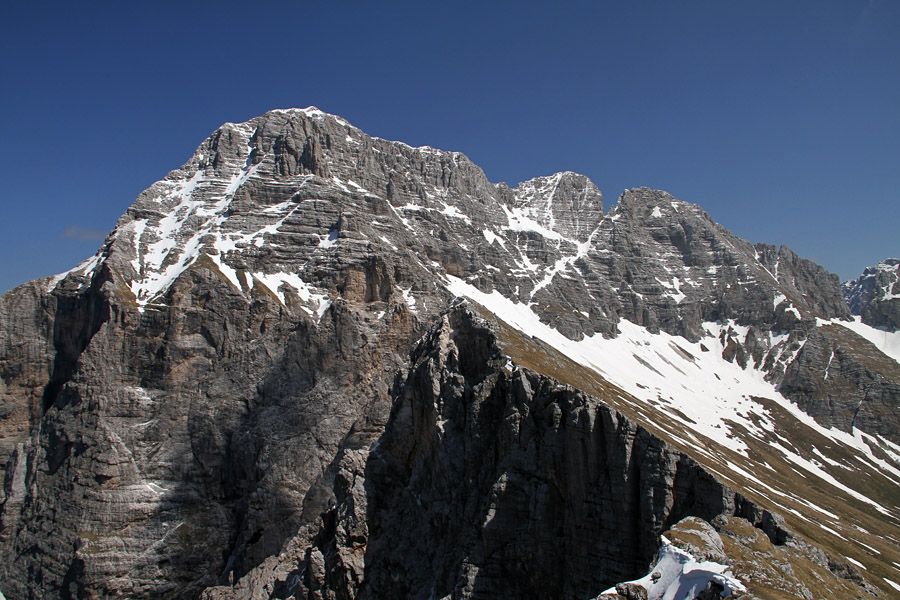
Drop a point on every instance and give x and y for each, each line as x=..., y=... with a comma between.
x=211, y=404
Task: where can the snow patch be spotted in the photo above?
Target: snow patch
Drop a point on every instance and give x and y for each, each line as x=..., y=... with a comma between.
x=137, y=228
x=174, y=249
x=315, y=302
x=518, y=219
x=410, y=299
x=491, y=237
x=156, y=489
x=455, y=213
x=329, y=240
x=84, y=267
x=677, y=295
x=226, y=270
x=677, y=575
x=893, y=584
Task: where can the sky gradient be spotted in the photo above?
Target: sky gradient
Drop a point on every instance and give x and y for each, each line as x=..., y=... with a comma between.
x=780, y=119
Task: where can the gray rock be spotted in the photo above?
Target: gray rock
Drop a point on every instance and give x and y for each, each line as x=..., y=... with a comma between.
x=631, y=591
x=845, y=382
x=490, y=483
x=875, y=295
x=703, y=543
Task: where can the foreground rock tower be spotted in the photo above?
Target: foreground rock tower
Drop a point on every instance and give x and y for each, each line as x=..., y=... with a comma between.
x=315, y=364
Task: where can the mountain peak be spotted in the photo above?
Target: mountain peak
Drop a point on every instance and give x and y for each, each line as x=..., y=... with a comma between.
x=565, y=202
x=310, y=111
x=230, y=380
x=875, y=295
x=643, y=202
x=888, y=264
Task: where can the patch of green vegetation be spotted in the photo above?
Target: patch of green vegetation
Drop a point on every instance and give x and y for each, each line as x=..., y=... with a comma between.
x=778, y=572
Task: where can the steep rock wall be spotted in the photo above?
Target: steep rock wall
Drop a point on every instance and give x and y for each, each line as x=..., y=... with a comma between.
x=181, y=443
x=496, y=482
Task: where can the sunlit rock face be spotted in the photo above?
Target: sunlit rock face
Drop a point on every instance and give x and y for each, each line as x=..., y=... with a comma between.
x=223, y=401
x=875, y=295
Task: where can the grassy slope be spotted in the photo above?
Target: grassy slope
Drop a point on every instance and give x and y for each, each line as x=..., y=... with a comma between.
x=856, y=530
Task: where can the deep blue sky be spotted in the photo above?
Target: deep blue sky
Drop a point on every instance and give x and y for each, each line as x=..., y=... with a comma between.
x=781, y=119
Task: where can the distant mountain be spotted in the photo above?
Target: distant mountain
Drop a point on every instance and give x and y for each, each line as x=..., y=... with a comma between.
x=315, y=364
x=875, y=295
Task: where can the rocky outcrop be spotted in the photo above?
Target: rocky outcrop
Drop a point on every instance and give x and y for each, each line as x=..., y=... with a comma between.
x=666, y=265
x=566, y=203
x=28, y=361
x=875, y=295
x=767, y=569
x=494, y=481
x=804, y=281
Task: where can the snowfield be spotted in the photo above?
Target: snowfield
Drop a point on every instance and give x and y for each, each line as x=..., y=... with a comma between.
x=692, y=384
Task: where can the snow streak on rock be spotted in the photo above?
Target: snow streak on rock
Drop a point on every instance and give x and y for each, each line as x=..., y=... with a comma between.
x=875, y=295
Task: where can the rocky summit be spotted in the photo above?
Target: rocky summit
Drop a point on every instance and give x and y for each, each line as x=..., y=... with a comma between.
x=311, y=363
x=875, y=295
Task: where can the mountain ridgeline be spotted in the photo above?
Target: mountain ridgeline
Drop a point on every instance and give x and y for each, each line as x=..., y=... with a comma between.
x=315, y=364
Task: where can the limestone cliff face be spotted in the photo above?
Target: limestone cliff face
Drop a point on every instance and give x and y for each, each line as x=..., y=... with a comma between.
x=185, y=443
x=860, y=390
x=196, y=403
